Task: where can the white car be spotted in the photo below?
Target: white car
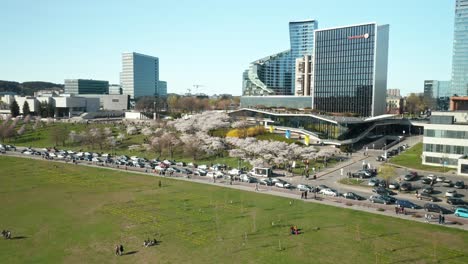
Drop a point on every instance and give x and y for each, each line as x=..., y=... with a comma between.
x=52, y=155
x=451, y=193
x=440, y=179
x=432, y=177
x=28, y=152
x=201, y=172
x=283, y=184
x=303, y=187
x=203, y=167
x=234, y=172
x=329, y=192
x=214, y=174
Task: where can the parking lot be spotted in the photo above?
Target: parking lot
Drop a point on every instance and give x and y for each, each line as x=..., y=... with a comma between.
x=326, y=188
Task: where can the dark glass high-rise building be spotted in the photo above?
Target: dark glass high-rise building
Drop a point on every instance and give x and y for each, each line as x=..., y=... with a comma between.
x=350, y=69
x=83, y=86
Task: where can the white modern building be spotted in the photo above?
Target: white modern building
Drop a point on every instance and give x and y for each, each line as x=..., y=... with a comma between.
x=140, y=75
x=445, y=142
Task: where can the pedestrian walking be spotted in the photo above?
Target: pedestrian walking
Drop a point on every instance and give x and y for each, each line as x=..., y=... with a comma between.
x=305, y=195
x=396, y=209
x=426, y=219
x=440, y=219
x=302, y=195
x=256, y=187
x=443, y=219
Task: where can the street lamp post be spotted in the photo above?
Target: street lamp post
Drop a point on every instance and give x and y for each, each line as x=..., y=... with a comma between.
x=385, y=151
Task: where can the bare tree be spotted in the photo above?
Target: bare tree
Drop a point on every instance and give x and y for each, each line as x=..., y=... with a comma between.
x=170, y=141
x=157, y=145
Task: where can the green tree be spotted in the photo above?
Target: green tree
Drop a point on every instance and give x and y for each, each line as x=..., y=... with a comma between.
x=26, y=110
x=14, y=108
x=50, y=109
x=58, y=134
x=387, y=173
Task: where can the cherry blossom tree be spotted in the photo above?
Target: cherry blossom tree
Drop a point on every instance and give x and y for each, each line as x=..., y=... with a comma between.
x=132, y=130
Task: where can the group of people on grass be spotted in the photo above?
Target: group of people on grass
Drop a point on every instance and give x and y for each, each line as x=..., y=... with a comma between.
x=119, y=249
x=149, y=243
x=294, y=230
x=6, y=234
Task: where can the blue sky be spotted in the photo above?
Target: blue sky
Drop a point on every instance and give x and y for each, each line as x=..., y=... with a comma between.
x=207, y=42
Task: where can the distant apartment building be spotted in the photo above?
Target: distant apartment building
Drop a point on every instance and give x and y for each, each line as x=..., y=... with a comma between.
x=140, y=75
x=84, y=86
x=350, y=69
x=393, y=92
x=459, y=84
x=304, y=76
x=162, y=89
x=274, y=74
x=394, y=105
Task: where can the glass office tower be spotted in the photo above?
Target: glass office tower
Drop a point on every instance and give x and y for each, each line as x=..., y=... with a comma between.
x=274, y=75
x=350, y=69
x=83, y=86
x=301, y=38
x=140, y=75
x=460, y=50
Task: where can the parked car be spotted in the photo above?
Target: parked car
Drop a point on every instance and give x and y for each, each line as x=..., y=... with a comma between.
x=409, y=177
x=455, y=201
x=447, y=183
x=394, y=186
x=352, y=196
x=181, y=164
x=365, y=173
x=430, y=207
x=247, y=178
x=382, y=191
x=451, y=193
x=382, y=184
x=440, y=179
x=406, y=204
x=283, y=184
x=304, y=187
x=461, y=212
x=201, y=172
x=373, y=182
x=321, y=187
x=459, y=184
x=329, y=192
x=432, y=177
x=266, y=181
x=234, y=172
x=426, y=196
x=428, y=190
x=426, y=181
x=406, y=186
x=377, y=199
x=380, y=158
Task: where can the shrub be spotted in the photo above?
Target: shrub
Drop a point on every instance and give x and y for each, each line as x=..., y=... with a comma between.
x=380, y=209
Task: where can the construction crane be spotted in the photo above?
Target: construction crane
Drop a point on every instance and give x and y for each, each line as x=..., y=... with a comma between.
x=196, y=87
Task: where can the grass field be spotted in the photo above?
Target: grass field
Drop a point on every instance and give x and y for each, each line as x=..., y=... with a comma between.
x=412, y=159
x=76, y=214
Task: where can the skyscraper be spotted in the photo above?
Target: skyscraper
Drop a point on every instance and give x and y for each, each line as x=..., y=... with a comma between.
x=140, y=75
x=460, y=50
x=274, y=75
x=350, y=69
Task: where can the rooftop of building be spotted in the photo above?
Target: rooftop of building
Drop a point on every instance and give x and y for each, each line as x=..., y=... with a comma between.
x=302, y=21
x=331, y=117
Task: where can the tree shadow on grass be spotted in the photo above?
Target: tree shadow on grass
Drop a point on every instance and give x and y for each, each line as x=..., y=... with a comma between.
x=19, y=237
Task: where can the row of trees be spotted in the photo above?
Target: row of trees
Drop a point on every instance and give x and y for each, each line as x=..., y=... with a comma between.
x=9, y=127
x=45, y=109
x=184, y=104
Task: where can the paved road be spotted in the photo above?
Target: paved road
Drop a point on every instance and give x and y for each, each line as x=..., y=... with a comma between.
x=291, y=194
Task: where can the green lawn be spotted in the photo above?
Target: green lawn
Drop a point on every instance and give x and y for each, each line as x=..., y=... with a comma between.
x=411, y=158
x=75, y=214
